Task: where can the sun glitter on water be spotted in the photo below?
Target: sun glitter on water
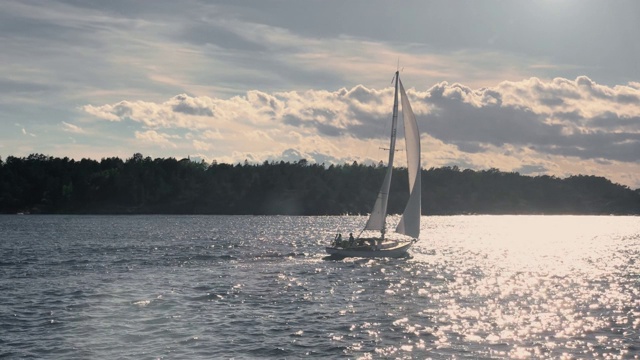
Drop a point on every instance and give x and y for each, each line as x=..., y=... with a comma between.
x=533, y=284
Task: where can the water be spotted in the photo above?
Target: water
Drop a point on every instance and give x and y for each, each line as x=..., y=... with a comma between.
x=189, y=287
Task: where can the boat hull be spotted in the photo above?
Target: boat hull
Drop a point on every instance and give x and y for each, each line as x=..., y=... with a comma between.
x=396, y=251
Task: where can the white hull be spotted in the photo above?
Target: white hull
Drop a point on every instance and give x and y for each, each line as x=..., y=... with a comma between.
x=396, y=250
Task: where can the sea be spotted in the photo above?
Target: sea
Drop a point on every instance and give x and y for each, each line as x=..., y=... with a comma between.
x=261, y=287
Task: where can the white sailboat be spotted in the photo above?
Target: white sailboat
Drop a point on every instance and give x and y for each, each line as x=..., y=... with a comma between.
x=382, y=243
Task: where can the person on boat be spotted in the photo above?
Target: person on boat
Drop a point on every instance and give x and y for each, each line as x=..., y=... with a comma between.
x=338, y=240
x=351, y=239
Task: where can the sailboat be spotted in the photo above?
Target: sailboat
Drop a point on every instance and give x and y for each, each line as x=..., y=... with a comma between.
x=407, y=232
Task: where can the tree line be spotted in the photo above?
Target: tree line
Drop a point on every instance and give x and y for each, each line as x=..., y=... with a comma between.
x=142, y=185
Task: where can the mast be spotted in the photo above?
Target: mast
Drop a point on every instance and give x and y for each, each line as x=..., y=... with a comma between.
x=392, y=151
x=394, y=125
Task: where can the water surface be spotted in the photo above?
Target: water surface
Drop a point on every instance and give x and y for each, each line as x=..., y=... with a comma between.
x=149, y=287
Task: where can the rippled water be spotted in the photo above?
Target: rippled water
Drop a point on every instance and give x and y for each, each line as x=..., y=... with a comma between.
x=147, y=287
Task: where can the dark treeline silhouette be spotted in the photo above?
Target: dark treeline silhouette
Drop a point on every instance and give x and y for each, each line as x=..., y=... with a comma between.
x=141, y=185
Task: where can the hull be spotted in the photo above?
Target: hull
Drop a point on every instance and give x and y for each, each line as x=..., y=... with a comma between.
x=394, y=251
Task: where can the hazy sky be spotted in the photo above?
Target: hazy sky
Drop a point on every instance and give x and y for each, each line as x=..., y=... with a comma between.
x=539, y=87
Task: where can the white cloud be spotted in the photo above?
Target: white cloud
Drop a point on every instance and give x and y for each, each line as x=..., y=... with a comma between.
x=212, y=134
x=155, y=138
x=201, y=145
x=72, y=128
x=531, y=124
x=105, y=112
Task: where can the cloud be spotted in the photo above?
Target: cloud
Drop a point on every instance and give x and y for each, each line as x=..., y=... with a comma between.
x=201, y=145
x=155, y=138
x=72, y=128
x=522, y=126
x=191, y=105
x=531, y=169
x=106, y=112
x=576, y=118
x=293, y=155
x=212, y=134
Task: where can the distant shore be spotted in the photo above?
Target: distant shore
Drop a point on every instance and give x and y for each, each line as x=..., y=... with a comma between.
x=40, y=184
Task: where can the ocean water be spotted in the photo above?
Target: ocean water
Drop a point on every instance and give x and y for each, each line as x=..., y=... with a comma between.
x=243, y=287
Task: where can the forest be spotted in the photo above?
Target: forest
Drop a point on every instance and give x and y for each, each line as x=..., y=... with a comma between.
x=40, y=184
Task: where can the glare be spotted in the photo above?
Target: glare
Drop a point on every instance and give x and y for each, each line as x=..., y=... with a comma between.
x=544, y=282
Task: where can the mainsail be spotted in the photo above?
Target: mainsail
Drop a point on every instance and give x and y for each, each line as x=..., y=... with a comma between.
x=377, y=219
x=410, y=221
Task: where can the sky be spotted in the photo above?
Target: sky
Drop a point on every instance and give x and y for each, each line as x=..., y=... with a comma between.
x=539, y=87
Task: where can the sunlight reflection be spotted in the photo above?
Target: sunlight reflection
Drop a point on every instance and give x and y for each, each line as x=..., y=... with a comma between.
x=545, y=278
x=498, y=287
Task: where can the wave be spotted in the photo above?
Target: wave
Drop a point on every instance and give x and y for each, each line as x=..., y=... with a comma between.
x=278, y=255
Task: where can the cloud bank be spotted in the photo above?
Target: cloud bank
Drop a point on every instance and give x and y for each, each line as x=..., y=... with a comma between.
x=533, y=126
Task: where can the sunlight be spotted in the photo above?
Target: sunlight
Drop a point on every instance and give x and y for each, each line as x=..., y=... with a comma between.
x=547, y=244
x=544, y=277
